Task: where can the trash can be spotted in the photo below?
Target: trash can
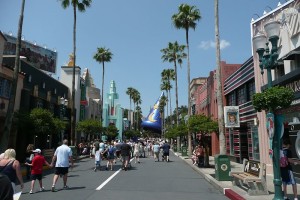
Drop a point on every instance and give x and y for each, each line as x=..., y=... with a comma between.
x=74, y=152
x=184, y=151
x=222, y=168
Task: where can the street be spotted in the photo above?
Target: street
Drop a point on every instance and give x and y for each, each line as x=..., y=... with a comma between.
x=147, y=180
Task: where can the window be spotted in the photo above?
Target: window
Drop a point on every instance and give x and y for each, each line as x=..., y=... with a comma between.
x=241, y=96
x=251, y=90
x=255, y=143
x=5, y=86
x=231, y=99
x=29, y=78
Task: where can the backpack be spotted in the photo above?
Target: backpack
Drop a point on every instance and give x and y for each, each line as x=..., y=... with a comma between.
x=111, y=150
x=283, y=159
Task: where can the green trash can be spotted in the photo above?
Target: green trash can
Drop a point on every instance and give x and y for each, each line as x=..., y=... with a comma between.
x=222, y=168
x=184, y=151
x=74, y=152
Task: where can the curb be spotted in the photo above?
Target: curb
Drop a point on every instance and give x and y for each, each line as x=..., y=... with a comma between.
x=228, y=192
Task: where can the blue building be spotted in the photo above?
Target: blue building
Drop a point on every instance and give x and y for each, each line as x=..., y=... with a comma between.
x=112, y=111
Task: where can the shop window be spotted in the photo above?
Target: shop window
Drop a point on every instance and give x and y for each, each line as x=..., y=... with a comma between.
x=255, y=143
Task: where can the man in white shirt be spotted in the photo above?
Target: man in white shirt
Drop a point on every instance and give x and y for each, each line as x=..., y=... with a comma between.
x=62, y=156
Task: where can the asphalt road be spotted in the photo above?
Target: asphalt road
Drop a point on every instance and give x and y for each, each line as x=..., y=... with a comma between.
x=148, y=180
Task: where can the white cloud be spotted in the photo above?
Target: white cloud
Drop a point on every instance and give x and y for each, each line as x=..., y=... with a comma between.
x=211, y=44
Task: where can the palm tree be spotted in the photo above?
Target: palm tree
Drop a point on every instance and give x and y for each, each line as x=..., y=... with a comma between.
x=185, y=19
x=174, y=53
x=13, y=90
x=162, y=103
x=219, y=85
x=103, y=55
x=81, y=6
x=130, y=93
x=136, y=97
x=167, y=75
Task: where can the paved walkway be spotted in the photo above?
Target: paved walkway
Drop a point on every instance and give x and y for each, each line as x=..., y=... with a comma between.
x=208, y=174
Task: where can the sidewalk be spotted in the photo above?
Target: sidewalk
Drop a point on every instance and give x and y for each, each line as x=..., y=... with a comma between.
x=234, y=192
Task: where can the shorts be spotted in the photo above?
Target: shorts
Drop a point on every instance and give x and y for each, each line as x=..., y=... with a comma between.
x=166, y=153
x=97, y=163
x=36, y=176
x=61, y=170
x=110, y=157
x=125, y=158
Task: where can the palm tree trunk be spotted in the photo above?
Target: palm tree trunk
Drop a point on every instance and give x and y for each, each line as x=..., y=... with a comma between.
x=176, y=95
x=73, y=114
x=189, y=95
x=101, y=116
x=219, y=85
x=10, y=110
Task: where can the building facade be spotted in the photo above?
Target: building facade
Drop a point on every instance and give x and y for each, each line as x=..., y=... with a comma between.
x=205, y=98
x=286, y=74
x=242, y=141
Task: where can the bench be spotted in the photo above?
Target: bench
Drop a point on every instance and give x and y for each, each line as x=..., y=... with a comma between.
x=253, y=177
x=48, y=154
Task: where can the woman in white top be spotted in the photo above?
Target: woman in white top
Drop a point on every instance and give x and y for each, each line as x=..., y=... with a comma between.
x=136, y=152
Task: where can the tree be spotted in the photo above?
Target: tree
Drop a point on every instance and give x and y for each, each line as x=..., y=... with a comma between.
x=162, y=103
x=136, y=97
x=129, y=92
x=174, y=53
x=89, y=127
x=111, y=132
x=203, y=125
x=185, y=19
x=13, y=91
x=103, y=55
x=168, y=75
x=81, y=6
x=219, y=83
x=273, y=98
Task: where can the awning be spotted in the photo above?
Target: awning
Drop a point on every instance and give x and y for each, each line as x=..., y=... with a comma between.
x=291, y=55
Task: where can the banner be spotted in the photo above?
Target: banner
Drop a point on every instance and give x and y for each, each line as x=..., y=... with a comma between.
x=231, y=116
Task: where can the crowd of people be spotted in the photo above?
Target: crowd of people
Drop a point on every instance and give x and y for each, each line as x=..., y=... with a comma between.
x=109, y=151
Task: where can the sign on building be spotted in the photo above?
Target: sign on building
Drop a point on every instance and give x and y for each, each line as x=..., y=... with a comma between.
x=231, y=116
x=39, y=57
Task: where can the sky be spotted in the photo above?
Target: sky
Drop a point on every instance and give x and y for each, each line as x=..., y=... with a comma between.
x=135, y=31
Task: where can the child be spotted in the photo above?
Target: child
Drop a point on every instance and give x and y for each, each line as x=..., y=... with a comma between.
x=97, y=158
x=36, y=169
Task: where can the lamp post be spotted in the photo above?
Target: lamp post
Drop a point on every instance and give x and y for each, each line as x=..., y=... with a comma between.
x=64, y=104
x=268, y=61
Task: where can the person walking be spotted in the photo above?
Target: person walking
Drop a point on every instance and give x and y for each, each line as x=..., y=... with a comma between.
x=156, y=149
x=62, y=156
x=166, y=151
x=6, y=190
x=136, y=152
x=287, y=175
x=125, y=153
x=29, y=157
x=97, y=158
x=111, y=150
x=10, y=167
x=36, y=165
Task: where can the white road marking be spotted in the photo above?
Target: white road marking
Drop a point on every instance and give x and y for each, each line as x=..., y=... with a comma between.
x=109, y=178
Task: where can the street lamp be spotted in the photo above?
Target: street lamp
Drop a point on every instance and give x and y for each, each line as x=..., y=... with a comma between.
x=64, y=105
x=268, y=61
